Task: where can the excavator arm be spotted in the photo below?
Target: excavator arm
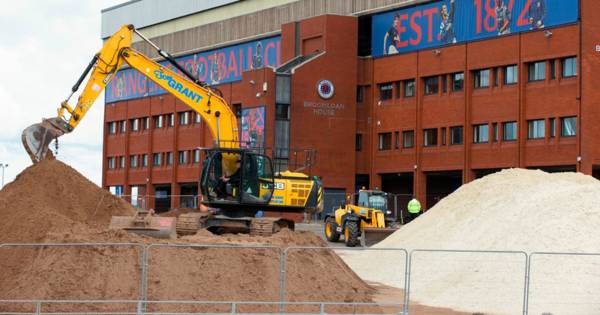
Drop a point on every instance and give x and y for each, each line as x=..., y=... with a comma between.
x=117, y=50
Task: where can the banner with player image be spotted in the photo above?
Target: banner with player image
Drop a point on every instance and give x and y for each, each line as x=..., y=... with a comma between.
x=252, y=132
x=217, y=66
x=449, y=22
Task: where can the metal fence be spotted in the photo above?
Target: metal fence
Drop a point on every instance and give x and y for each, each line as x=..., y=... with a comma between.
x=522, y=283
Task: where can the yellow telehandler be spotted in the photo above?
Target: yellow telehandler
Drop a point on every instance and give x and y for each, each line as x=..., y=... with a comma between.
x=366, y=222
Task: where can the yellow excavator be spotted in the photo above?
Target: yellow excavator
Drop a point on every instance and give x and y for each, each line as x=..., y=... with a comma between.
x=238, y=183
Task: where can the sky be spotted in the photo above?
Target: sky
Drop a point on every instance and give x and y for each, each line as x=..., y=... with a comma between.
x=44, y=47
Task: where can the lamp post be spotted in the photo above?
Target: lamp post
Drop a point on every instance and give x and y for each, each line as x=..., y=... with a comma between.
x=3, y=165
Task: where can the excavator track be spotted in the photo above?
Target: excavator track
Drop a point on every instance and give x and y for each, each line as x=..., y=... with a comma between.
x=190, y=223
x=264, y=226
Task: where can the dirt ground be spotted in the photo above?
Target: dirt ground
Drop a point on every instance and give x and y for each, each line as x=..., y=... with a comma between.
x=52, y=203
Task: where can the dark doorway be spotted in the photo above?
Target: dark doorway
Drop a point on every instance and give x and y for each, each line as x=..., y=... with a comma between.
x=596, y=172
x=361, y=181
x=162, y=195
x=485, y=172
x=399, y=186
x=555, y=169
x=189, y=196
x=440, y=185
x=334, y=197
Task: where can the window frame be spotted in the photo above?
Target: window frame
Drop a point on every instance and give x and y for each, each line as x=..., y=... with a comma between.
x=531, y=123
x=358, y=142
x=504, y=131
x=532, y=66
x=434, y=137
x=563, y=63
x=562, y=127
x=435, y=88
x=382, y=144
x=452, y=134
x=409, y=85
x=408, y=134
x=386, y=91
x=515, y=75
x=478, y=78
x=454, y=81
x=479, y=136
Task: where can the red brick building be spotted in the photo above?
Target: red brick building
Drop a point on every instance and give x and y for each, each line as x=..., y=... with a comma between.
x=418, y=122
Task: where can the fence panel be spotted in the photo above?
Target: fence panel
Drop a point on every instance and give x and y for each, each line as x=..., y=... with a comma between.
x=346, y=278
x=250, y=273
x=564, y=283
x=70, y=271
x=490, y=282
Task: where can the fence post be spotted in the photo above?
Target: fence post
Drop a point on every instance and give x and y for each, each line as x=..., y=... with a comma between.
x=282, y=268
x=526, y=289
x=407, y=283
x=233, y=308
x=144, y=279
x=38, y=308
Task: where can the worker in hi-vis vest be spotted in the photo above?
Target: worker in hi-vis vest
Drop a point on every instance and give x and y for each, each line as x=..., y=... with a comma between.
x=414, y=209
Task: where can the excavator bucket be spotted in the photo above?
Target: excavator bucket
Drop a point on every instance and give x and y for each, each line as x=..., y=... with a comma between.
x=37, y=137
x=145, y=223
x=372, y=236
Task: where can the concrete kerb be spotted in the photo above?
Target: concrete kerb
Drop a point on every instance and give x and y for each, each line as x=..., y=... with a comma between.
x=346, y=249
x=148, y=248
x=525, y=278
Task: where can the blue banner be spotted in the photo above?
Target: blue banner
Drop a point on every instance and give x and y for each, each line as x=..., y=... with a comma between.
x=456, y=21
x=222, y=65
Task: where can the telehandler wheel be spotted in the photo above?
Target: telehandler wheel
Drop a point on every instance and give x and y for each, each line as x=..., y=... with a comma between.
x=352, y=234
x=331, y=232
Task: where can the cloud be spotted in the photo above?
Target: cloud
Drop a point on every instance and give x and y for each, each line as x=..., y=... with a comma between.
x=44, y=49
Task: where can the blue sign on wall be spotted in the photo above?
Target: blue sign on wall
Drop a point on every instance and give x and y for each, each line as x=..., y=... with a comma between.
x=216, y=66
x=455, y=21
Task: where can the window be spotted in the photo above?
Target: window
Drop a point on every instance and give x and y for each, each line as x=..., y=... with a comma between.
x=158, y=122
x=398, y=85
x=569, y=67
x=496, y=77
x=495, y=132
x=133, y=161
x=431, y=85
x=122, y=162
x=458, y=81
x=509, y=131
x=358, y=143
x=123, y=126
x=396, y=139
x=144, y=160
x=456, y=135
x=183, y=157
x=552, y=69
x=386, y=91
x=385, y=141
x=536, y=129
x=170, y=120
x=198, y=118
x=409, y=88
x=444, y=83
x=552, y=127
x=146, y=123
x=112, y=163
x=537, y=71
x=482, y=78
x=430, y=137
x=157, y=159
x=444, y=136
x=481, y=133
x=197, y=156
x=184, y=118
x=237, y=109
x=568, y=126
x=408, y=139
x=135, y=124
x=360, y=94
x=511, y=74
x=112, y=127
x=169, y=158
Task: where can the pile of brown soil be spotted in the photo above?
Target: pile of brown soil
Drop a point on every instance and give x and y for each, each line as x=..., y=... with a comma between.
x=51, y=202
x=49, y=197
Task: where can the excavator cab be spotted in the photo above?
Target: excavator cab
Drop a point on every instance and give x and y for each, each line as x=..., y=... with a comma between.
x=236, y=177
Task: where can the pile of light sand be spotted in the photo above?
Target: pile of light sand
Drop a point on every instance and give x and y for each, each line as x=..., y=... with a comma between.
x=513, y=210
